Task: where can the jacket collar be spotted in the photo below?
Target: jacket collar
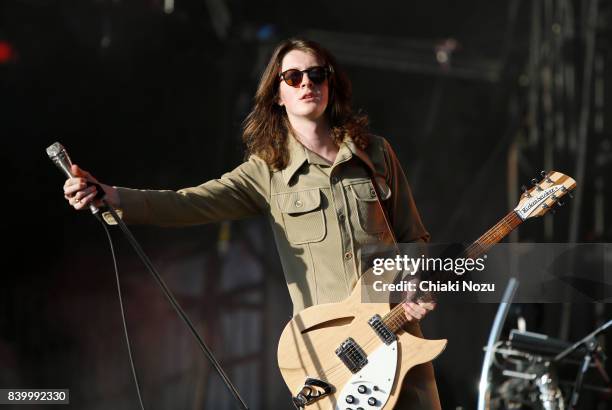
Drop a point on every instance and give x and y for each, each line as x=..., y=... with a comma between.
x=355, y=150
x=298, y=155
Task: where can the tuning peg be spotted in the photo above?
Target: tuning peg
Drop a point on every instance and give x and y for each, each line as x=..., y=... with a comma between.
x=524, y=189
x=559, y=203
x=546, y=177
x=535, y=183
x=549, y=208
x=567, y=191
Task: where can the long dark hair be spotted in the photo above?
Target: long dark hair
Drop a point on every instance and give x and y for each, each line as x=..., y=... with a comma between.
x=266, y=127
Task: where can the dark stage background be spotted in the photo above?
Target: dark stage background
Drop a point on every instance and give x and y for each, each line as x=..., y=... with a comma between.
x=476, y=97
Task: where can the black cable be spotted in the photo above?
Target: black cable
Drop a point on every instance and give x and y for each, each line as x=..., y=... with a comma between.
x=57, y=153
x=177, y=307
x=125, y=330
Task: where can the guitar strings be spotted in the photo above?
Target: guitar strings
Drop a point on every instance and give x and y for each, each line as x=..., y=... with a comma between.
x=485, y=242
x=396, y=317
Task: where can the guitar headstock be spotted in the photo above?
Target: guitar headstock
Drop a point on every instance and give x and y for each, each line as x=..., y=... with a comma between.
x=544, y=194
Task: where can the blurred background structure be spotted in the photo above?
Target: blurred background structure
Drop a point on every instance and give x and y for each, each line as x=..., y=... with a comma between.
x=476, y=97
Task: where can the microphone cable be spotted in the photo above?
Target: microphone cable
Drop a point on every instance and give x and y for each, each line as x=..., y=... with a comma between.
x=177, y=307
x=123, y=320
x=58, y=154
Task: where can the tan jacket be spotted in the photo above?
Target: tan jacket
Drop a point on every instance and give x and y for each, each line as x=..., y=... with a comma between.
x=322, y=216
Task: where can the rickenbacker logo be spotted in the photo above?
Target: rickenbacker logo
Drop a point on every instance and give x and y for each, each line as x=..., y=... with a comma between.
x=539, y=199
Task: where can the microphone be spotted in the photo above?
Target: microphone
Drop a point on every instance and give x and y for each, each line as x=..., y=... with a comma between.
x=58, y=154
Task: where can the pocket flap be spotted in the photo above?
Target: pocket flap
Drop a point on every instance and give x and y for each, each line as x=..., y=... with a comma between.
x=364, y=191
x=299, y=202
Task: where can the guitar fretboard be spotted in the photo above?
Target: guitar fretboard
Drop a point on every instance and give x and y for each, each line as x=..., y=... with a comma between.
x=396, y=318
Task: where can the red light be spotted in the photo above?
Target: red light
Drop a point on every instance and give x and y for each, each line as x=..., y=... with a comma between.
x=6, y=52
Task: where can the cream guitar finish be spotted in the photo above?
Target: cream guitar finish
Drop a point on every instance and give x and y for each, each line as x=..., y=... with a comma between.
x=330, y=356
x=308, y=344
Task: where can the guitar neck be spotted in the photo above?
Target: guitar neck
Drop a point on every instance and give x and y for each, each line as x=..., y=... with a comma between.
x=396, y=318
x=498, y=232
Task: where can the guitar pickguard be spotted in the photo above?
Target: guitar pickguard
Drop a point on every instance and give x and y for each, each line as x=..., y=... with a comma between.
x=369, y=388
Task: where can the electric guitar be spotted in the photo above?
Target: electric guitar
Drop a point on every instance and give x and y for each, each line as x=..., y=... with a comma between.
x=354, y=355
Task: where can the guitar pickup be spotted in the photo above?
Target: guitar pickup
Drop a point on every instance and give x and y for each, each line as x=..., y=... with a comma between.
x=379, y=327
x=352, y=355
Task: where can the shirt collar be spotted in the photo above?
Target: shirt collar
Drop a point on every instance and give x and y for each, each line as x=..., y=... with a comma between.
x=355, y=150
x=297, y=157
x=298, y=154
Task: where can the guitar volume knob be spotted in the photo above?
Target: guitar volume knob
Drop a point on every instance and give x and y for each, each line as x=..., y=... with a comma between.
x=350, y=399
x=372, y=401
x=362, y=389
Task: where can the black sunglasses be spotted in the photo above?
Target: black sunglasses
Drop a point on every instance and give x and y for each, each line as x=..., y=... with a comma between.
x=293, y=76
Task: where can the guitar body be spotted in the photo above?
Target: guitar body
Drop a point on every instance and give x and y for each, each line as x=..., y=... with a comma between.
x=307, y=349
x=354, y=355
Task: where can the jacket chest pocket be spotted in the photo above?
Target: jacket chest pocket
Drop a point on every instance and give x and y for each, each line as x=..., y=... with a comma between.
x=302, y=215
x=369, y=213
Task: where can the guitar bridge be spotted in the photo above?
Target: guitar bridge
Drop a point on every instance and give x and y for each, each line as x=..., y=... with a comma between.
x=379, y=327
x=312, y=390
x=352, y=355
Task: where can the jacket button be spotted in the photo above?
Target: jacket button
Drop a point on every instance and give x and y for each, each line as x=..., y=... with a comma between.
x=298, y=204
x=372, y=193
x=341, y=217
x=348, y=255
x=334, y=180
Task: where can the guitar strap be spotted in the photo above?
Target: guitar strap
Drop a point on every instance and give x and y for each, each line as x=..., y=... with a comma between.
x=401, y=274
x=383, y=210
